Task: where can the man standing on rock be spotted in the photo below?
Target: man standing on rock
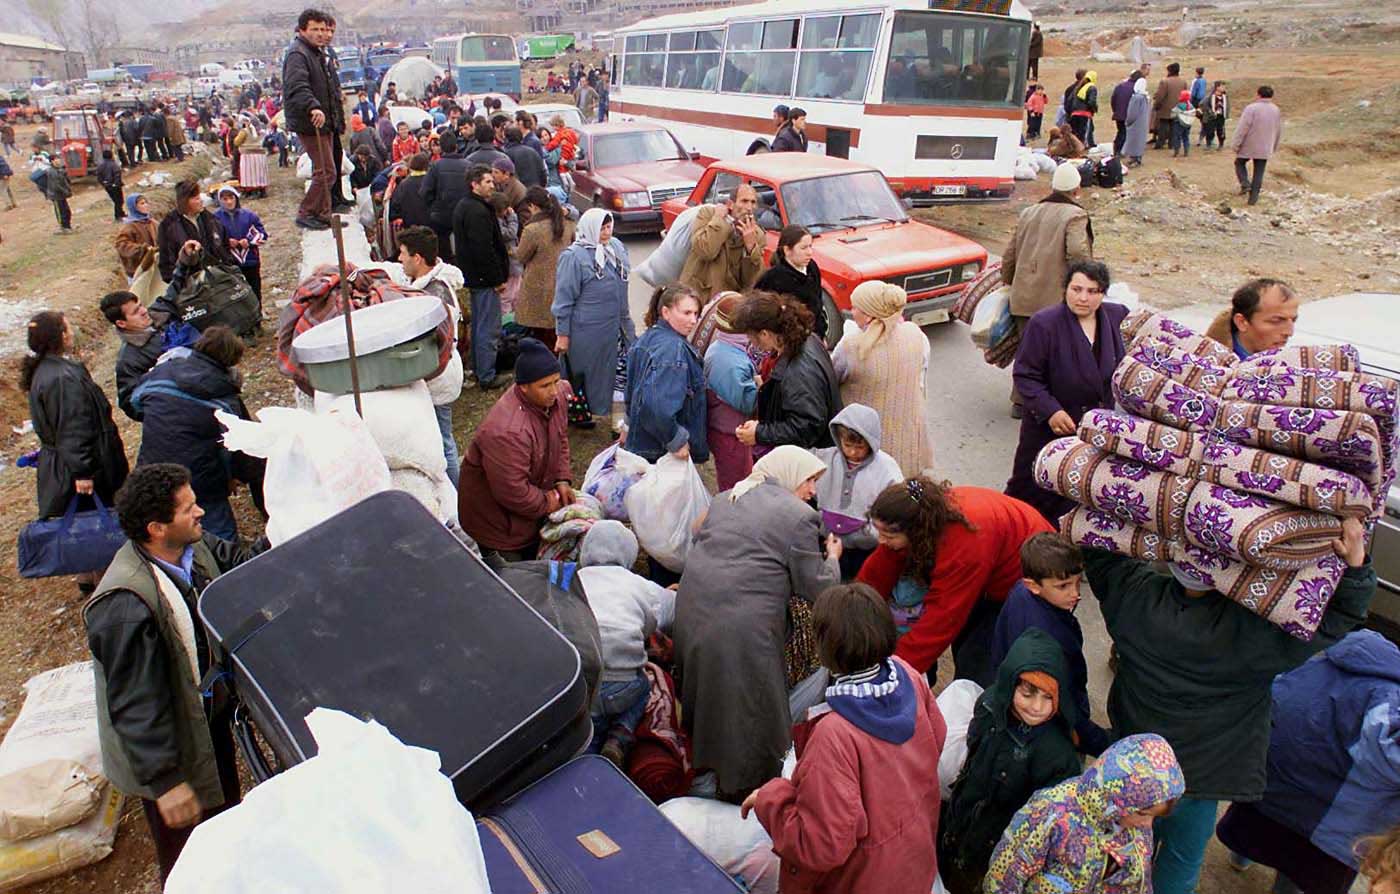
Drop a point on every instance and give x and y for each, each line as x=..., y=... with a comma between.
x=1164, y=100
x=311, y=91
x=1257, y=138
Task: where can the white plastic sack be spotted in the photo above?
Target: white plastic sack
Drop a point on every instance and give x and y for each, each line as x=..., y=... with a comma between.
x=364, y=207
x=992, y=318
x=51, y=760
x=610, y=475
x=666, y=262
x=955, y=704
x=304, y=166
x=664, y=507
x=1024, y=169
x=317, y=465
x=404, y=427
x=366, y=814
x=23, y=863
x=1043, y=162
x=740, y=846
x=1124, y=294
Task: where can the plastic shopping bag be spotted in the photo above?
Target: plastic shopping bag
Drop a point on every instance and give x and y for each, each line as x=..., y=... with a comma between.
x=366, y=814
x=956, y=704
x=664, y=507
x=316, y=465
x=740, y=846
x=991, y=321
x=610, y=475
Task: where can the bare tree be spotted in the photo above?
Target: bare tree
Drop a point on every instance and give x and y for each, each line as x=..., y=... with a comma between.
x=97, y=30
x=53, y=15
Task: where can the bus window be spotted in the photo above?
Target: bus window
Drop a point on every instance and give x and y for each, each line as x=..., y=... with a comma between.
x=690, y=70
x=487, y=48
x=837, y=52
x=937, y=58
x=644, y=69
x=770, y=69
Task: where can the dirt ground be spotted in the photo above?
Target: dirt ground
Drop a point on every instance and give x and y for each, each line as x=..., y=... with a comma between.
x=1329, y=221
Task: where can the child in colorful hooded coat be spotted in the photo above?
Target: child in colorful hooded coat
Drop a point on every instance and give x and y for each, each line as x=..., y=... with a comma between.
x=1019, y=741
x=1091, y=834
x=245, y=233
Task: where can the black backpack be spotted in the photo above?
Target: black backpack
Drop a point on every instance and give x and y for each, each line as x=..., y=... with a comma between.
x=219, y=294
x=1110, y=173
x=1088, y=173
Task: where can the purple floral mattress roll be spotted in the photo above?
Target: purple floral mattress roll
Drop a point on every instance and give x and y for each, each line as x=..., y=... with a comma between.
x=1345, y=440
x=1147, y=324
x=1208, y=457
x=1294, y=600
x=1244, y=527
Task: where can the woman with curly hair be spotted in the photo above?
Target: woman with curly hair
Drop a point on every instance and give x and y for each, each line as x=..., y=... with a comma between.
x=800, y=397
x=947, y=557
x=1380, y=862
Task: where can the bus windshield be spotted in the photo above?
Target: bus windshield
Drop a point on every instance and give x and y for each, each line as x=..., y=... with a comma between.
x=487, y=48
x=846, y=200
x=633, y=148
x=347, y=56
x=945, y=59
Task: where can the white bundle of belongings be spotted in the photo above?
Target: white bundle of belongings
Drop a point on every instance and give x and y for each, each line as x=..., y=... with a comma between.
x=365, y=815
x=57, y=810
x=664, y=265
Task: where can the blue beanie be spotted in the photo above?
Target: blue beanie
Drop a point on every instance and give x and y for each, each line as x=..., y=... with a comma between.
x=534, y=361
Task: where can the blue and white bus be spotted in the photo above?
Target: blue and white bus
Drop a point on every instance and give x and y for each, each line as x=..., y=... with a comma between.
x=480, y=63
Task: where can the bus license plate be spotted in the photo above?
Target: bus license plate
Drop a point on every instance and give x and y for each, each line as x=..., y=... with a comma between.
x=950, y=189
x=929, y=317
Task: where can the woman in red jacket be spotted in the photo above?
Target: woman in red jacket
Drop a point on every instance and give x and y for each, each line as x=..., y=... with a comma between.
x=947, y=557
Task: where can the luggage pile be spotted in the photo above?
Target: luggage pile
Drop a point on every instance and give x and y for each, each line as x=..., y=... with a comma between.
x=382, y=613
x=985, y=305
x=1238, y=470
x=57, y=810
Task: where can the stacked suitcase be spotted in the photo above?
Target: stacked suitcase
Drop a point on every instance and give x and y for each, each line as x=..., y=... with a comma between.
x=382, y=613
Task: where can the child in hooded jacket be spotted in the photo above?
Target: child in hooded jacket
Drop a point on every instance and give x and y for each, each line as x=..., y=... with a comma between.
x=857, y=471
x=861, y=810
x=1184, y=116
x=1019, y=741
x=1092, y=834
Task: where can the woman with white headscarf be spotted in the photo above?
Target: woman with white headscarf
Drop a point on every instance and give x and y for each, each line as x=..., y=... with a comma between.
x=590, y=308
x=759, y=546
x=882, y=366
x=1138, y=121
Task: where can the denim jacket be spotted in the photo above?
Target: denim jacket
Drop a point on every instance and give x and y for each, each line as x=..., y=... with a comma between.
x=665, y=396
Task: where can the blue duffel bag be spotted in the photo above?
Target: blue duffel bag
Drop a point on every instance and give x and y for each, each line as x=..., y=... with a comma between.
x=76, y=543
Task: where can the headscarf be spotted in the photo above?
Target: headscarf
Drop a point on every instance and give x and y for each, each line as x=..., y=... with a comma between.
x=716, y=322
x=587, y=233
x=357, y=123
x=1091, y=78
x=132, y=215
x=1140, y=86
x=787, y=464
x=882, y=301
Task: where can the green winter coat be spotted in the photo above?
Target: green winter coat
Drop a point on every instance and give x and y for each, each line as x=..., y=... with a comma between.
x=1198, y=671
x=1007, y=761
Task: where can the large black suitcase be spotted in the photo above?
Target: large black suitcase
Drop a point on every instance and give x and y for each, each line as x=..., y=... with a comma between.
x=382, y=613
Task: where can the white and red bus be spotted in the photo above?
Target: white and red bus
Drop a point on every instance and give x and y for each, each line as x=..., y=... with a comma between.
x=932, y=97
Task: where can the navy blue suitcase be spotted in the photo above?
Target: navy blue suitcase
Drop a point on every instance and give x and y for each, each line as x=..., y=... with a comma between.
x=586, y=828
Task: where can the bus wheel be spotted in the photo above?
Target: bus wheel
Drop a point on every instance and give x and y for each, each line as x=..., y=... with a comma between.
x=757, y=147
x=834, y=321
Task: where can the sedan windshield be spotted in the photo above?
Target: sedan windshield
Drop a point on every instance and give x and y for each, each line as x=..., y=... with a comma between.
x=632, y=148
x=846, y=200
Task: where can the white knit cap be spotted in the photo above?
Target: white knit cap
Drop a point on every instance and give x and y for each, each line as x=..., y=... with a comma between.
x=1066, y=177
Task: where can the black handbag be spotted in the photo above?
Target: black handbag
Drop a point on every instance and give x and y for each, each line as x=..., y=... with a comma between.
x=580, y=415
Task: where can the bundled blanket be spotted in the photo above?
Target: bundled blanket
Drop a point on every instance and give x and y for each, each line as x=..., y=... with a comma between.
x=1240, y=526
x=1210, y=457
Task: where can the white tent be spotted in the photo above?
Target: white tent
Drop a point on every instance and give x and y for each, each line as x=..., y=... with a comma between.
x=411, y=76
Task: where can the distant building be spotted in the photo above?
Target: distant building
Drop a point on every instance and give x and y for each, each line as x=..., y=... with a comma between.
x=23, y=57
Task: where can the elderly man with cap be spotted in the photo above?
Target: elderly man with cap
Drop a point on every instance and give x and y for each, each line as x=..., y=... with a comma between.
x=516, y=470
x=509, y=185
x=1050, y=236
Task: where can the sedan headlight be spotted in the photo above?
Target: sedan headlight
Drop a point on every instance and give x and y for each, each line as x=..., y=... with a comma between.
x=636, y=200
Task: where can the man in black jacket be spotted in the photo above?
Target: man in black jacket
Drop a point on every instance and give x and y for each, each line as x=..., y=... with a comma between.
x=407, y=207
x=162, y=740
x=482, y=149
x=129, y=135
x=444, y=186
x=529, y=164
x=109, y=175
x=313, y=109
x=485, y=265
x=792, y=137
x=187, y=221
x=152, y=135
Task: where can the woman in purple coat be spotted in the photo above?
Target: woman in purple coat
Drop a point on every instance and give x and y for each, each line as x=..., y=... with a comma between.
x=1063, y=369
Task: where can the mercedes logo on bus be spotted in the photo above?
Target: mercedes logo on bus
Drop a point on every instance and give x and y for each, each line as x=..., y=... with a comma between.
x=956, y=152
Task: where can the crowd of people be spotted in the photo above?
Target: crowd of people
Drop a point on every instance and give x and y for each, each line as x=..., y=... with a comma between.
x=1164, y=118
x=831, y=547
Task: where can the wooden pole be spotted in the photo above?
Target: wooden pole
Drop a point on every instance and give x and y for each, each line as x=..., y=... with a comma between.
x=336, y=227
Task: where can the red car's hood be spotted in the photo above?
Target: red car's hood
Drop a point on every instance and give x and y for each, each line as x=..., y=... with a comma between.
x=645, y=175
x=883, y=250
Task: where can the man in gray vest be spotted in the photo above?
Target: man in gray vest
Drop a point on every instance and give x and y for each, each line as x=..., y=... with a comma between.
x=162, y=741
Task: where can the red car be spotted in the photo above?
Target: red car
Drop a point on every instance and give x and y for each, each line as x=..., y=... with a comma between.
x=859, y=228
x=630, y=170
